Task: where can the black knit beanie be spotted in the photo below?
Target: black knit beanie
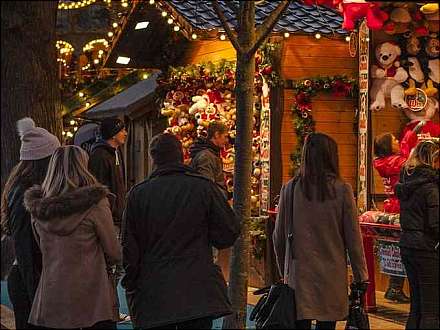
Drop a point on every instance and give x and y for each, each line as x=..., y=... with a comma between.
x=110, y=127
x=166, y=149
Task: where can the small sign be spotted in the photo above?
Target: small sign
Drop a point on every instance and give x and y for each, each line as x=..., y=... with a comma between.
x=390, y=260
x=418, y=101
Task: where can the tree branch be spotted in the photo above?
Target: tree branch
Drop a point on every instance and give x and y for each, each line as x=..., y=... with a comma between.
x=266, y=28
x=232, y=37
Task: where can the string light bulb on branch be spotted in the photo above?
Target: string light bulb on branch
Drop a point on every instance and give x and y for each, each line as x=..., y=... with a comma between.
x=318, y=36
x=74, y=4
x=286, y=34
x=194, y=36
x=222, y=37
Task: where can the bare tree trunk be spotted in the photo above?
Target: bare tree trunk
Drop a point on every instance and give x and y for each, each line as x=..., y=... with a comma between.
x=28, y=73
x=239, y=264
x=246, y=40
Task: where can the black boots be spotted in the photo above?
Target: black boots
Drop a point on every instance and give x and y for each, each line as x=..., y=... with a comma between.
x=397, y=295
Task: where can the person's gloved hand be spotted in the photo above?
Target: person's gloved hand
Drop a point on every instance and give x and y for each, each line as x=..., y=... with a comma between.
x=361, y=287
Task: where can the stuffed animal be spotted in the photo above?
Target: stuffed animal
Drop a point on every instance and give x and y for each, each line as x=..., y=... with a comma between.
x=387, y=77
x=354, y=10
x=426, y=115
x=399, y=21
x=429, y=8
x=415, y=75
x=432, y=49
x=200, y=104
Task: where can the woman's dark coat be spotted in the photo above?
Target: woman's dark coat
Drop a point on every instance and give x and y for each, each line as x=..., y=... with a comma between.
x=419, y=208
x=172, y=221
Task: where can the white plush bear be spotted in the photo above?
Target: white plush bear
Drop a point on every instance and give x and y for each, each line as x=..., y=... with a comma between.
x=201, y=102
x=388, y=75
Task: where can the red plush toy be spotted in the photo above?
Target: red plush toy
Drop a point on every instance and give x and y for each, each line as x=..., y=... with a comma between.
x=355, y=10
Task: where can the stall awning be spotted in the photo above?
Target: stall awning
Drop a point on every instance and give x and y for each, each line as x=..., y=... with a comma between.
x=127, y=101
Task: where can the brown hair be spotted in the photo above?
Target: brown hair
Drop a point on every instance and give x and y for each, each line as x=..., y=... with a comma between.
x=319, y=166
x=26, y=173
x=383, y=145
x=216, y=127
x=67, y=171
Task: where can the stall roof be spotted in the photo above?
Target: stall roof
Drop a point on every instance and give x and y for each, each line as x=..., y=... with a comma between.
x=297, y=17
x=127, y=101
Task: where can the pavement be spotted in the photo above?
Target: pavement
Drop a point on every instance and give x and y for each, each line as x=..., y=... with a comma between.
x=388, y=315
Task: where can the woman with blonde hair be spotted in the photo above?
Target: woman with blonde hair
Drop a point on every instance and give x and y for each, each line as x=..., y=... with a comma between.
x=73, y=226
x=419, y=219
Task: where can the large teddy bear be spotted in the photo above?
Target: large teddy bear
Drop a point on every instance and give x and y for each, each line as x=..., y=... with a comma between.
x=387, y=78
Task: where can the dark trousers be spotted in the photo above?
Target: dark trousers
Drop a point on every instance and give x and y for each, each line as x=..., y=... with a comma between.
x=320, y=325
x=103, y=325
x=422, y=269
x=20, y=299
x=205, y=323
x=396, y=282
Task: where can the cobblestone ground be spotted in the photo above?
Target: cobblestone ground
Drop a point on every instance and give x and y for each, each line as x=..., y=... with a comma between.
x=389, y=316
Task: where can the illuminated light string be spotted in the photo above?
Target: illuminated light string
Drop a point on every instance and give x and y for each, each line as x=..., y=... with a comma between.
x=75, y=4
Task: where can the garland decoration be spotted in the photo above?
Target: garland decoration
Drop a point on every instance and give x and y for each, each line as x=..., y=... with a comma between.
x=305, y=90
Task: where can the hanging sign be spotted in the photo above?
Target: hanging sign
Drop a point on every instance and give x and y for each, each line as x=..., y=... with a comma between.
x=390, y=259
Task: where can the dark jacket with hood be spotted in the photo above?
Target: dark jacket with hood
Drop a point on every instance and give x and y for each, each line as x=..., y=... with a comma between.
x=419, y=208
x=171, y=222
x=107, y=166
x=78, y=242
x=205, y=159
x=27, y=252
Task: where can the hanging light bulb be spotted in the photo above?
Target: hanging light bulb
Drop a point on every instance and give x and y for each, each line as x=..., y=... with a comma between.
x=194, y=36
x=286, y=34
x=318, y=36
x=151, y=2
x=170, y=21
x=115, y=25
x=347, y=38
x=124, y=4
x=145, y=76
x=100, y=52
x=164, y=14
x=72, y=122
x=87, y=104
x=176, y=28
x=222, y=37
x=96, y=61
x=81, y=94
x=110, y=34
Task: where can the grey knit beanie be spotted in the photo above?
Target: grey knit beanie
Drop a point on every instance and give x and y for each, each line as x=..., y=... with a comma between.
x=36, y=142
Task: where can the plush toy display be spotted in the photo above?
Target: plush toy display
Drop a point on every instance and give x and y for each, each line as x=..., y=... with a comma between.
x=387, y=77
x=415, y=75
x=399, y=21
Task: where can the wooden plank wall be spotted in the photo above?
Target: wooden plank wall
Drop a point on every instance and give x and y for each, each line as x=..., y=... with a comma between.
x=209, y=50
x=307, y=57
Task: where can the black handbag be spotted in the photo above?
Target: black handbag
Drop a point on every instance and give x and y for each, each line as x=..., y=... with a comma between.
x=357, y=317
x=276, y=309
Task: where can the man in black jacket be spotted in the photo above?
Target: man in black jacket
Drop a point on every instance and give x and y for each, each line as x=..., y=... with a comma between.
x=107, y=165
x=170, y=224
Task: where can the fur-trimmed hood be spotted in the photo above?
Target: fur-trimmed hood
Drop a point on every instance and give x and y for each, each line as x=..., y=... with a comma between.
x=62, y=214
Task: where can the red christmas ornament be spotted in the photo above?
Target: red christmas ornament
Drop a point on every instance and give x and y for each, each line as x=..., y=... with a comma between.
x=267, y=70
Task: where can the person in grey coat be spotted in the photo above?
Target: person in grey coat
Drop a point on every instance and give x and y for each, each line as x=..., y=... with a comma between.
x=325, y=226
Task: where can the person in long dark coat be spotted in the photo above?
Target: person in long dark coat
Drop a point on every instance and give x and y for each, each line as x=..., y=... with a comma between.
x=37, y=146
x=171, y=222
x=418, y=192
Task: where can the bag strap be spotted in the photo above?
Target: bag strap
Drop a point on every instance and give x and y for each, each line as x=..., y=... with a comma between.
x=289, y=245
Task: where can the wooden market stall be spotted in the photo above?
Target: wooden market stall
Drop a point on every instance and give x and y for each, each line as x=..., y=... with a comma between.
x=321, y=67
x=308, y=43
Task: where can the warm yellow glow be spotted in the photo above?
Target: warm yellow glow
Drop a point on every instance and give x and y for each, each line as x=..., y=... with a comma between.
x=115, y=25
x=91, y=44
x=176, y=28
x=222, y=37
x=96, y=61
x=170, y=21
x=74, y=5
x=87, y=104
x=81, y=94
x=286, y=34
x=347, y=38
x=145, y=76
x=110, y=34
x=151, y=2
x=194, y=36
x=164, y=14
x=318, y=36
x=124, y=4
x=72, y=122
